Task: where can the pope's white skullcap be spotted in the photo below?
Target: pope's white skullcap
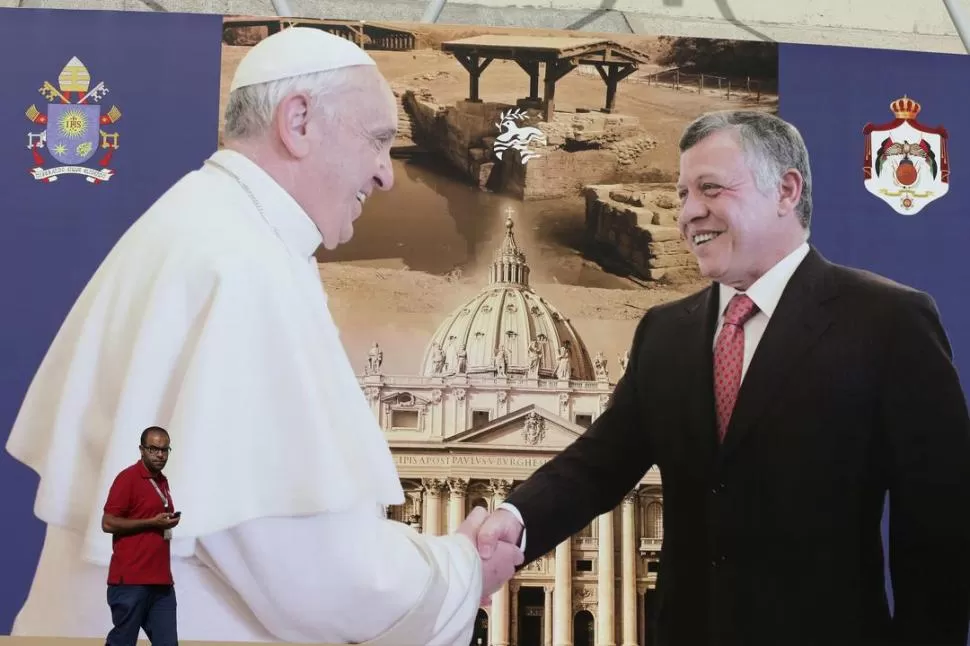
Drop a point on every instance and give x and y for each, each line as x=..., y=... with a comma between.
x=295, y=51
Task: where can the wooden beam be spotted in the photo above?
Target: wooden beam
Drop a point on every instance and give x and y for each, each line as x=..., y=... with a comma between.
x=614, y=58
x=554, y=72
x=559, y=69
x=532, y=69
x=358, y=35
x=475, y=67
x=612, y=75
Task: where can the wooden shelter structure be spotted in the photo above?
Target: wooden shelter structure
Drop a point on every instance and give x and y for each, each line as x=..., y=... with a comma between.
x=367, y=35
x=559, y=55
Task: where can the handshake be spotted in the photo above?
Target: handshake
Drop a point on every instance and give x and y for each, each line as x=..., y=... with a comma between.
x=497, y=537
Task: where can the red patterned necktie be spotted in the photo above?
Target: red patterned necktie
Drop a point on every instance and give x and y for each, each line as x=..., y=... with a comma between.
x=729, y=358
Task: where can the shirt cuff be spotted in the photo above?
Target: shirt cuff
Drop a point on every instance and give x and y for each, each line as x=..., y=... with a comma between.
x=515, y=512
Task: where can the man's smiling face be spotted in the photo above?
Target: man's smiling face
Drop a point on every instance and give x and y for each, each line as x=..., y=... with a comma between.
x=735, y=230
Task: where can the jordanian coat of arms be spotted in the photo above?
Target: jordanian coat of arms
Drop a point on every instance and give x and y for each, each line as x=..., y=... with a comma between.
x=906, y=163
x=74, y=122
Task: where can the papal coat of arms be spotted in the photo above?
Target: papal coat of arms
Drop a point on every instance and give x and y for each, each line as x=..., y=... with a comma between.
x=906, y=163
x=73, y=127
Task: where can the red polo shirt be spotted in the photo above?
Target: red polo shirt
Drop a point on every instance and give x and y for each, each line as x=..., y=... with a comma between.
x=143, y=558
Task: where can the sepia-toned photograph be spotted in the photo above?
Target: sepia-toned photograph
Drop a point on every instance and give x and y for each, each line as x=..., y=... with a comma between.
x=489, y=299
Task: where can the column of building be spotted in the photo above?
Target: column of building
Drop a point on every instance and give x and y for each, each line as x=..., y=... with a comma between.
x=558, y=607
x=514, y=587
x=456, y=502
x=562, y=596
x=498, y=625
x=547, y=616
x=606, y=583
x=414, y=509
x=431, y=523
x=628, y=574
x=641, y=611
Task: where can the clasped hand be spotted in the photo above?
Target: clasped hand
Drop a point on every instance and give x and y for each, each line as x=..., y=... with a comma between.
x=497, y=536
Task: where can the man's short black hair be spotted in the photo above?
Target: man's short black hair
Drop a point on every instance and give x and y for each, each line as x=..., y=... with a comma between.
x=152, y=429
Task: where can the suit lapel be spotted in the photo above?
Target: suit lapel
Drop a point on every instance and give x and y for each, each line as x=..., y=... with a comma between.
x=796, y=325
x=700, y=320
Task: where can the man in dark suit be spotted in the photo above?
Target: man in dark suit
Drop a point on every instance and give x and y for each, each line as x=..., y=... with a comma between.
x=780, y=404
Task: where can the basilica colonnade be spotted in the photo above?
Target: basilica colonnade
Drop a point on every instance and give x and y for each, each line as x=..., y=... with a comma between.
x=593, y=589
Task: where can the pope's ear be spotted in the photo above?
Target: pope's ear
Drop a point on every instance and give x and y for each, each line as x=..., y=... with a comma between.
x=292, y=121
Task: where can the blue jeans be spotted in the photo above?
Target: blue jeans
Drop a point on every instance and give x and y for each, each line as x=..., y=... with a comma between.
x=148, y=607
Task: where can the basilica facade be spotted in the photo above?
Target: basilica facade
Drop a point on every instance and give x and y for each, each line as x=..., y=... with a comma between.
x=506, y=383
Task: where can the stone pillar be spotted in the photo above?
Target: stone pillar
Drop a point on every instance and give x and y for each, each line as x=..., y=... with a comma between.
x=500, y=490
x=461, y=408
x=628, y=574
x=373, y=394
x=562, y=610
x=434, y=415
x=416, y=506
x=547, y=617
x=431, y=523
x=642, y=613
x=605, y=579
x=514, y=588
x=498, y=626
x=503, y=403
x=456, y=502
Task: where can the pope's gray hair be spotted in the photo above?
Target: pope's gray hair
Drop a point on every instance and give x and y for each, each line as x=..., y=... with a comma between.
x=771, y=146
x=250, y=109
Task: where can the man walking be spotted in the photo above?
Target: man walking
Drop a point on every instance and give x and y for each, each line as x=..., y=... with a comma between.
x=140, y=515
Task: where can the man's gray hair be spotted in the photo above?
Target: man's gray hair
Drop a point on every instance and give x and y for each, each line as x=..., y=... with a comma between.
x=250, y=109
x=771, y=145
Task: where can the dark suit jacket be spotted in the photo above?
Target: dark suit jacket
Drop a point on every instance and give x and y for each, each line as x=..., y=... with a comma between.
x=773, y=538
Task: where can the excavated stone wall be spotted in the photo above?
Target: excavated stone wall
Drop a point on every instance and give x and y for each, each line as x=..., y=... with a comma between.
x=639, y=223
x=581, y=148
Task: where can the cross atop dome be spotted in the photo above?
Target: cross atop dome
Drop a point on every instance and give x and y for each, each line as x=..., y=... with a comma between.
x=507, y=329
x=509, y=266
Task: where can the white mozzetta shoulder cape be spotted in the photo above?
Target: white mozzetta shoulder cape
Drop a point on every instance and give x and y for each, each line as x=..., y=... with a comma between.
x=204, y=320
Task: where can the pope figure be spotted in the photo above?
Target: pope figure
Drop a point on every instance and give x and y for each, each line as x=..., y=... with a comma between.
x=209, y=318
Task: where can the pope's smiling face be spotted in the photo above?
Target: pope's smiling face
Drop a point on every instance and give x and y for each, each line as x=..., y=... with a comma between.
x=353, y=158
x=337, y=149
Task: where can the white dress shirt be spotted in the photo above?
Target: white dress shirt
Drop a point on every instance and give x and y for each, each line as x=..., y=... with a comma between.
x=765, y=292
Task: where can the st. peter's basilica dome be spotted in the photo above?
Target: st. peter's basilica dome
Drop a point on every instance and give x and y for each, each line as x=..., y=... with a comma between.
x=507, y=329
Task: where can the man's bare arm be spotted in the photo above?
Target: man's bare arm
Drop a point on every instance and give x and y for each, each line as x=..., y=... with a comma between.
x=119, y=526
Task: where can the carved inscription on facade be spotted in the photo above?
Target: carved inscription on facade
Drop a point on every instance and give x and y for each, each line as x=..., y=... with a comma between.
x=469, y=460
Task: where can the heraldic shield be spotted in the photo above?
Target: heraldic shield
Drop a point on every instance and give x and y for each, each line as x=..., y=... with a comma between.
x=906, y=163
x=72, y=132
x=73, y=127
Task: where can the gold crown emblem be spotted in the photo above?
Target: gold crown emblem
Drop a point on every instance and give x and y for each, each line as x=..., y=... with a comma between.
x=905, y=108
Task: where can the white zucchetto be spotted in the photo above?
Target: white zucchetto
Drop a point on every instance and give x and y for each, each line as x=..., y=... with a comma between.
x=295, y=51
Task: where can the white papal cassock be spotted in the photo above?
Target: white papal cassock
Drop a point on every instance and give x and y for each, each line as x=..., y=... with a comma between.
x=209, y=318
